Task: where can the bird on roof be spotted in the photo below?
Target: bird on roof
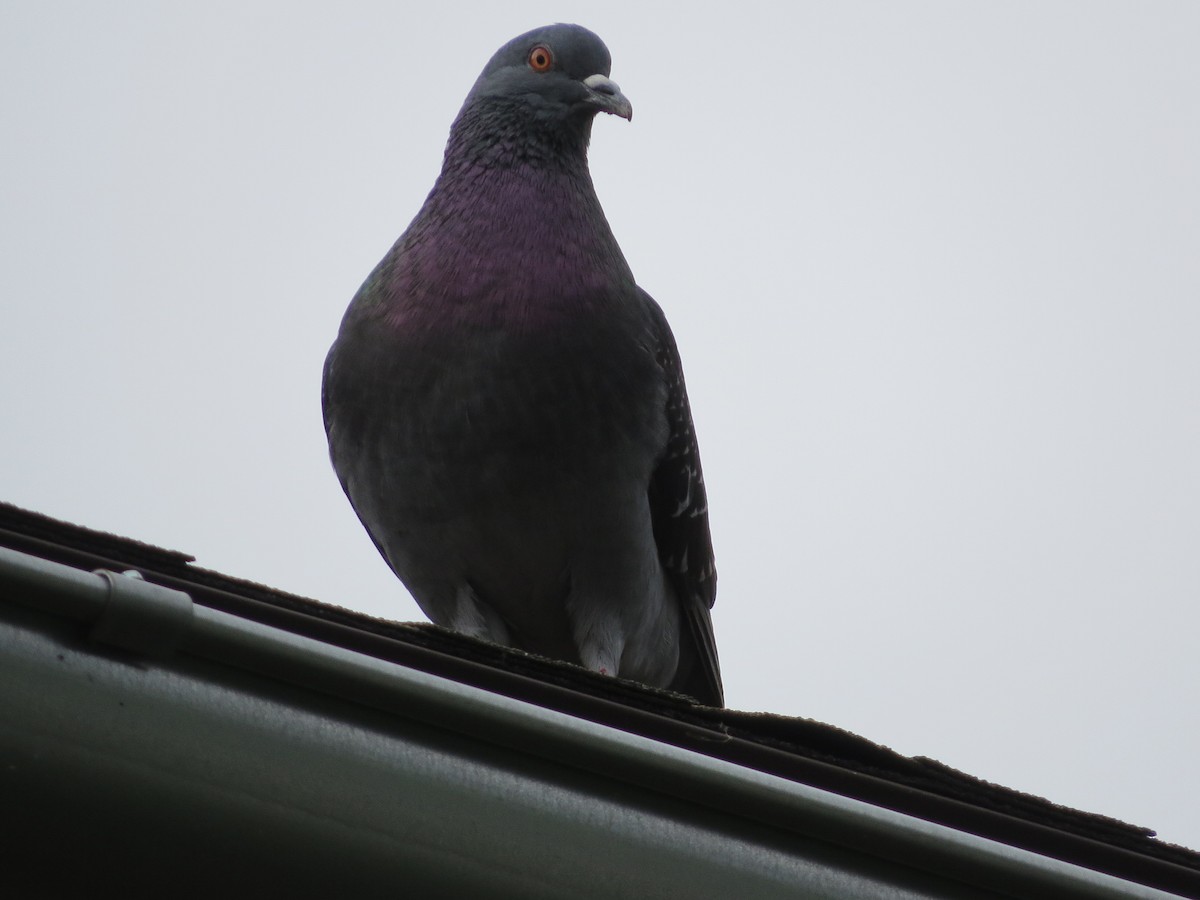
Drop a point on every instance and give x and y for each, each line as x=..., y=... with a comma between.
x=506, y=408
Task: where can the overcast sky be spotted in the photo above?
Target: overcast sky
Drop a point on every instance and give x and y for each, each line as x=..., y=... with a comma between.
x=934, y=269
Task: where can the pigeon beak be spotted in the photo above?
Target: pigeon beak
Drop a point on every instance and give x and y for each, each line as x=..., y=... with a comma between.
x=606, y=96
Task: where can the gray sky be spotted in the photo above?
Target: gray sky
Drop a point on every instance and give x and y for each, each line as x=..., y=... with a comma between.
x=934, y=269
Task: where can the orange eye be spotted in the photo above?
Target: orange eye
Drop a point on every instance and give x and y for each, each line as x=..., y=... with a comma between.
x=540, y=58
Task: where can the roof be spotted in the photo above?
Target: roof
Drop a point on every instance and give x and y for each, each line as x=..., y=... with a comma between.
x=825, y=761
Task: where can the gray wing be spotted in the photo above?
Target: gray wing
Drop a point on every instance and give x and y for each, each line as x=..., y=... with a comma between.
x=679, y=513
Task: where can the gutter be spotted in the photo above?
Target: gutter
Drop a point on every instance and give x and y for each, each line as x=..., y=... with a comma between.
x=773, y=831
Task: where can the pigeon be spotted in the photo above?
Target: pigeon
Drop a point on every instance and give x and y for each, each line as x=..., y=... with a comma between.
x=506, y=408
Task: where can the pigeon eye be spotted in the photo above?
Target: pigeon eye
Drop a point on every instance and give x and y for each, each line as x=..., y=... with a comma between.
x=540, y=58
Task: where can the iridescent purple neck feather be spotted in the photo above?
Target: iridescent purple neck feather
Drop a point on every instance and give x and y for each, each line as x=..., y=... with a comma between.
x=512, y=231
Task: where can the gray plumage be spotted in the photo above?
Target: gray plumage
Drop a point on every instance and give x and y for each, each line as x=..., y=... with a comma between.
x=505, y=406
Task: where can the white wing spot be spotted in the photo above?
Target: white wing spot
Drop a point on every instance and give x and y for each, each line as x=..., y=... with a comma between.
x=685, y=503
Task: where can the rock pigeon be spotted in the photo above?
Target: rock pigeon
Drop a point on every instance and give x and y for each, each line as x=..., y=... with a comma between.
x=505, y=407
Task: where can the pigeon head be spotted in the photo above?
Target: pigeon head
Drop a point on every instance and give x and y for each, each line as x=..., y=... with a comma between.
x=554, y=77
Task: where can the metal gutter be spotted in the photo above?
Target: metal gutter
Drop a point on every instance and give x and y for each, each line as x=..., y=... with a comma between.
x=716, y=733
x=759, y=814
